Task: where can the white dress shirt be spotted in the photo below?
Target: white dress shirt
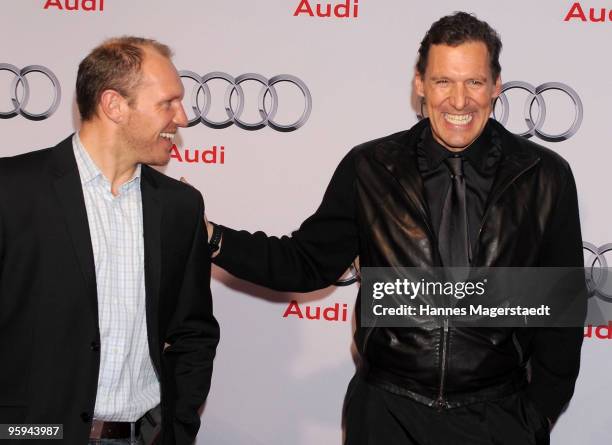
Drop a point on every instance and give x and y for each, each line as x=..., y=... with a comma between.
x=127, y=384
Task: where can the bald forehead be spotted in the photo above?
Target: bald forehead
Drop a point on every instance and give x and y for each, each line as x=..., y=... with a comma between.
x=159, y=75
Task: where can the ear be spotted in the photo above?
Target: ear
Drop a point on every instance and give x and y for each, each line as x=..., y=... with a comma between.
x=113, y=105
x=498, y=87
x=419, y=84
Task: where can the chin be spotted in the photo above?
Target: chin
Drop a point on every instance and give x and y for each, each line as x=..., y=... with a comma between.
x=160, y=162
x=460, y=139
x=159, y=158
x=461, y=144
x=454, y=144
x=157, y=161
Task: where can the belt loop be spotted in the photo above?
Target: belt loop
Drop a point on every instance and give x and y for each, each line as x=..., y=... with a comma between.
x=132, y=433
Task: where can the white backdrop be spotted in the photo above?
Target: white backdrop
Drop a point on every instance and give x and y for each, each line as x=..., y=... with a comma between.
x=281, y=380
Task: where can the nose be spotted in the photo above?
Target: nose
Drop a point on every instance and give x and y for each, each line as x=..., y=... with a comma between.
x=458, y=97
x=180, y=117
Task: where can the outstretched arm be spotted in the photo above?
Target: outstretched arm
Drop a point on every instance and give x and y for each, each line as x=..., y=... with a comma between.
x=314, y=256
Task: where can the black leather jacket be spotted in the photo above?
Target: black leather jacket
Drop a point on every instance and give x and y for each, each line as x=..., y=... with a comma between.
x=375, y=207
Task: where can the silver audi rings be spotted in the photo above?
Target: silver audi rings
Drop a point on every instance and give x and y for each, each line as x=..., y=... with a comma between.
x=234, y=112
x=534, y=126
x=352, y=275
x=597, y=270
x=20, y=104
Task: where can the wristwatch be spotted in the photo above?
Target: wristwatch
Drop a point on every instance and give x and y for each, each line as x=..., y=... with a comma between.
x=215, y=238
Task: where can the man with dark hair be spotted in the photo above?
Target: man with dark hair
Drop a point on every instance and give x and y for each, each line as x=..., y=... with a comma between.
x=457, y=189
x=105, y=304
x=461, y=27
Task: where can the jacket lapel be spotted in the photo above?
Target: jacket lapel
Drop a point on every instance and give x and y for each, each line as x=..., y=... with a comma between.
x=515, y=161
x=69, y=192
x=400, y=159
x=151, y=217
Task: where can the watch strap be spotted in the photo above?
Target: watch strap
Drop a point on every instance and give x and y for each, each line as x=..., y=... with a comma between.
x=215, y=238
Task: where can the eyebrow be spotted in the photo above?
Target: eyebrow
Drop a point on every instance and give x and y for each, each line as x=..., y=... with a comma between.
x=478, y=77
x=172, y=97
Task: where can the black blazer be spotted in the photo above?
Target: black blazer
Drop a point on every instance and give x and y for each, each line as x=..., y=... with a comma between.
x=49, y=334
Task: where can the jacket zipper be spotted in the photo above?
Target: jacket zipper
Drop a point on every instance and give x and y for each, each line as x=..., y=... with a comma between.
x=517, y=346
x=441, y=402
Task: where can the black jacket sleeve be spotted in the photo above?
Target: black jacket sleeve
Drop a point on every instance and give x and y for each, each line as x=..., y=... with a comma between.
x=314, y=256
x=192, y=336
x=555, y=358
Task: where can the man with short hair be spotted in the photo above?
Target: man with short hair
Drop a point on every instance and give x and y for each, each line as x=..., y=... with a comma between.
x=105, y=305
x=457, y=189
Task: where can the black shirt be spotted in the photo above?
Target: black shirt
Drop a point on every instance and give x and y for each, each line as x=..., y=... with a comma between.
x=481, y=159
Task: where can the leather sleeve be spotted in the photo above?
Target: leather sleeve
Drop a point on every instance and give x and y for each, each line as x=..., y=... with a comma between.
x=555, y=359
x=1, y=240
x=314, y=256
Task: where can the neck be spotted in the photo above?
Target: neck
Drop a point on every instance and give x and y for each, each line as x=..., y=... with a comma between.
x=108, y=153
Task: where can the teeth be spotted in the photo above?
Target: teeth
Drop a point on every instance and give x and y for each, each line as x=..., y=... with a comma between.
x=169, y=136
x=458, y=119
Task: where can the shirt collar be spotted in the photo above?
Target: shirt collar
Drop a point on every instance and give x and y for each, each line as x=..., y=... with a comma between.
x=478, y=153
x=88, y=170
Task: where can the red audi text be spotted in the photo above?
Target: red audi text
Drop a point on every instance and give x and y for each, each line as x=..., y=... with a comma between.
x=577, y=12
x=214, y=155
x=75, y=5
x=335, y=312
x=603, y=332
x=347, y=9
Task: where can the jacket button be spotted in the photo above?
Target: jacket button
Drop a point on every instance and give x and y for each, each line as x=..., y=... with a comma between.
x=95, y=346
x=85, y=417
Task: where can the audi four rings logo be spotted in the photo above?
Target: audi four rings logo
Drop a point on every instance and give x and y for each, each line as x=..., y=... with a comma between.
x=596, y=282
x=350, y=276
x=20, y=104
x=234, y=112
x=534, y=125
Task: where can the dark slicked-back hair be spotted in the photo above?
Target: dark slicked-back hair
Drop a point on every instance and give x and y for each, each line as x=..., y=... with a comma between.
x=113, y=65
x=458, y=28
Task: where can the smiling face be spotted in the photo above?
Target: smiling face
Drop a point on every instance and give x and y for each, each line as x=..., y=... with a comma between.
x=459, y=91
x=155, y=111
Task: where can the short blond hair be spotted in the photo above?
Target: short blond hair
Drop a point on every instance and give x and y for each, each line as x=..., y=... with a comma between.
x=116, y=65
